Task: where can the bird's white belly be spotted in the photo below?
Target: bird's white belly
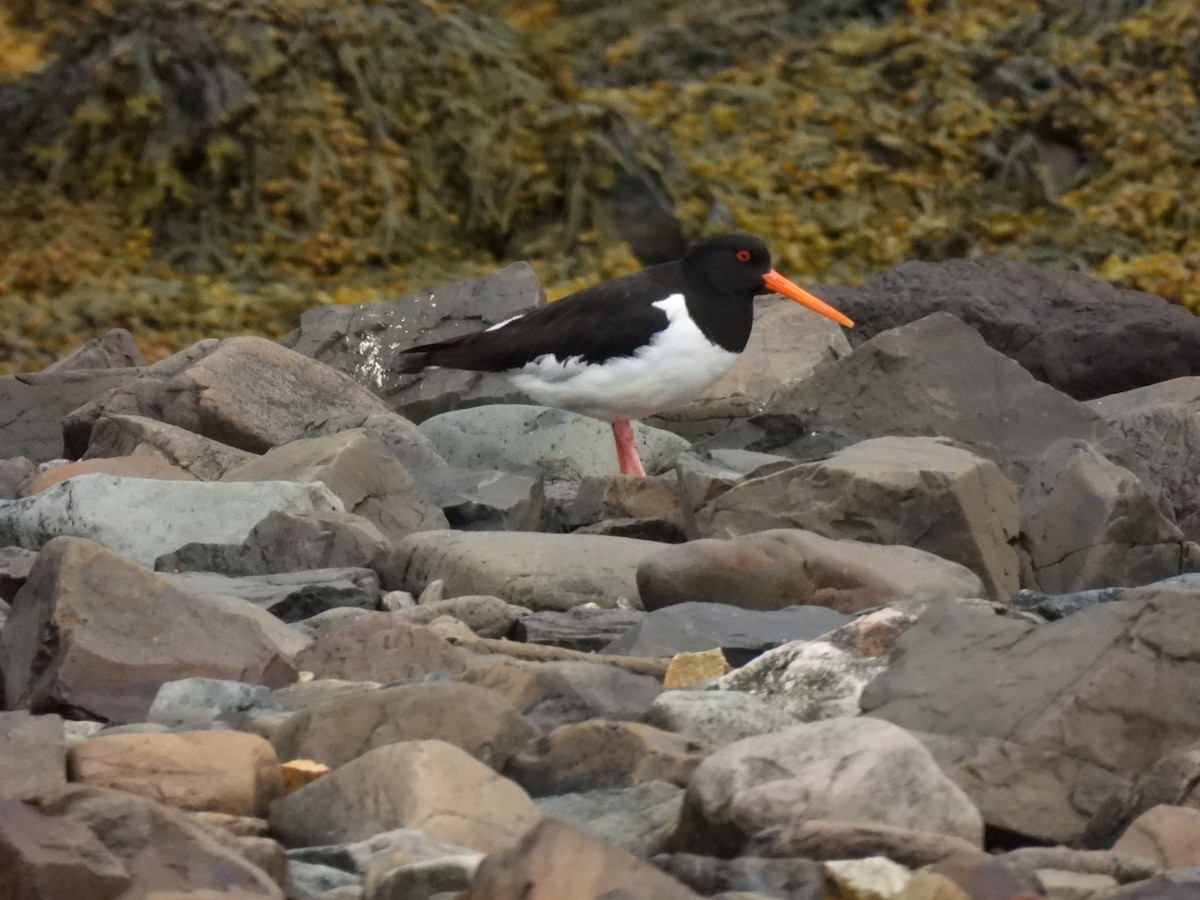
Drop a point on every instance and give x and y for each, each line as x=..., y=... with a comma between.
x=669, y=371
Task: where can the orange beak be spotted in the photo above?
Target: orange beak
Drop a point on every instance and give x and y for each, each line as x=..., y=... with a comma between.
x=773, y=281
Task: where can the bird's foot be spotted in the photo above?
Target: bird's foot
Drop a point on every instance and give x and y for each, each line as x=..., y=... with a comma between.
x=627, y=455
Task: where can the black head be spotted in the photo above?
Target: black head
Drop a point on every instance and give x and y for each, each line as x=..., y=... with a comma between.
x=730, y=264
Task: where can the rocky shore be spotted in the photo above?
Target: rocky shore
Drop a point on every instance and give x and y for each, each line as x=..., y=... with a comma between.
x=906, y=612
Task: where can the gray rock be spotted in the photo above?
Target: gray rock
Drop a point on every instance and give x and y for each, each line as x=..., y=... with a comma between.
x=15, y=564
x=536, y=440
x=401, y=437
x=13, y=474
x=582, y=628
x=741, y=634
x=746, y=878
x=427, y=878
x=487, y=501
x=578, y=691
x=537, y=571
x=120, y=435
x=364, y=340
x=785, y=567
x=639, y=818
x=359, y=857
x=290, y=596
x=368, y=480
x=487, y=616
x=984, y=400
x=143, y=518
x=716, y=718
x=1082, y=335
x=703, y=476
x=33, y=753
x=32, y=408
x=1088, y=523
x=115, y=349
x=197, y=702
x=1035, y=708
x=310, y=880
x=304, y=694
x=916, y=492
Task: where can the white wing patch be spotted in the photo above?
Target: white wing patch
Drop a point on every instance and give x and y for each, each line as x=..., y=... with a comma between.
x=677, y=364
x=500, y=325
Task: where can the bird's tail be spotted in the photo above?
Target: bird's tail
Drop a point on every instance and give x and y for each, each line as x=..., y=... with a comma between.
x=410, y=362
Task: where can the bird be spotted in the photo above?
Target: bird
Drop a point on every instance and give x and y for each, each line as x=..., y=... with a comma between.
x=633, y=346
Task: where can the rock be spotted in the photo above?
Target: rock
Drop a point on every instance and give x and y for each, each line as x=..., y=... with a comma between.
x=638, y=818
x=94, y=634
x=247, y=392
x=538, y=440
x=15, y=566
x=364, y=340
x=985, y=877
x=537, y=571
x=123, y=435
x=786, y=344
x=597, y=754
x=288, y=541
x=1082, y=335
x=33, y=405
x=304, y=694
x=143, y=518
x=1162, y=423
x=217, y=771
x=703, y=476
x=289, y=596
x=691, y=668
x=361, y=473
x=1036, y=706
x=1177, y=884
x=580, y=628
x=716, y=718
x=13, y=473
x=825, y=839
x=746, y=876
x=783, y=567
x=485, y=616
x=402, y=438
x=115, y=349
x=1120, y=867
x=198, y=702
x=33, y=753
x=873, y=876
x=601, y=498
x=915, y=491
x=849, y=770
x=312, y=880
x=340, y=729
x=93, y=842
x=557, y=861
x=741, y=634
x=429, y=878
x=139, y=465
x=381, y=647
x=1001, y=416
x=379, y=851
x=430, y=785
x=487, y=501
x=1168, y=836
x=1088, y=523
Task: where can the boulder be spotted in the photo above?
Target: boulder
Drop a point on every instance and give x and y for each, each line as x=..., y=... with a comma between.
x=771, y=570
x=604, y=498
x=1167, y=836
x=13, y=473
x=716, y=718
x=95, y=634
x=138, y=465
x=480, y=500
x=830, y=839
x=33, y=406
x=580, y=628
x=289, y=596
x=143, y=518
x=114, y=349
x=381, y=647
x=537, y=571
x=852, y=770
x=430, y=785
x=33, y=753
x=638, y=818
x=124, y=435
x=750, y=878
x=486, y=616
x=15, y=565
x=198, y=702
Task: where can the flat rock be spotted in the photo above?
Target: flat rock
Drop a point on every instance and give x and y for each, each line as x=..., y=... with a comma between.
x=364, y=340
x=582, y=628
x=849, y=770
x=381, y=647
x=557, y=861
x=215, y=771
x=596, y=754
x=143, y=518
x=770, y=570
x=1036, y=707
x=430, y=785
x=289, y=596
x=716, y=718
x=97, y=842
x=1082, y=335
x=537, y=571
x=912, y=491
x=1089, y=523
x=340, y=729
x=638, y=818
x=246, y=392
x=94, y=634
x=537, y=440
x=741, y=634
x=33, y=753
x=983, y=400
x=368, y=480
x=125, y=435
x=33, y=405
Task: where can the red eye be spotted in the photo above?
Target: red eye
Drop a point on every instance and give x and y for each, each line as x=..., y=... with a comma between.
x=743, y=255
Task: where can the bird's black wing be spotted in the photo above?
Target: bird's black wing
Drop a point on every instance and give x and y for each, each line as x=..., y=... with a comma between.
x=608, y=320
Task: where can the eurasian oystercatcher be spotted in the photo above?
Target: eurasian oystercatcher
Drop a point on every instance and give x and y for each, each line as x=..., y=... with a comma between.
x=633, y=346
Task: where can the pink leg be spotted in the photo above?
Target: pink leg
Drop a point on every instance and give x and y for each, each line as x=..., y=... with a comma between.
x=627, y=455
